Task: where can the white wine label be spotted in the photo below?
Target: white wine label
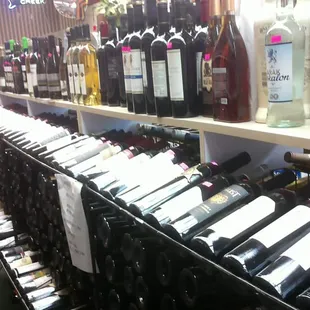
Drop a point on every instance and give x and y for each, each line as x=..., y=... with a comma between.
x=83, y=79
x=175, y=75
x=42, y=280
x=21, y=262
x=179, y=205
x=300, y=252
x=279, y=59
x=33, y=70
x=2, y=82
x=29, y=268
x=244, y=218
x=85, y=165
x=127, y=60
x=71, y=79
x=76, y=79
x=198, y=71
x=42, y=82
x=219, y=202
x=30, y=83
x=136, y=72
x=284, y=226
x=160, y=78
x=46, y=303
x=33, y=276
x=64, y=88
x=24, y=77
x=53, y=82
x=40, y=293
x=144, y=72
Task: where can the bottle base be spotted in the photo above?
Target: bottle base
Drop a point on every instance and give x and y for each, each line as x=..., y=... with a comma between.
x=261, y=115
x=285, y=124
x=307, y=110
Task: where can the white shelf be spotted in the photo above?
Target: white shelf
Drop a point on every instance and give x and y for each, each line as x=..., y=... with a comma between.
x=292, y=137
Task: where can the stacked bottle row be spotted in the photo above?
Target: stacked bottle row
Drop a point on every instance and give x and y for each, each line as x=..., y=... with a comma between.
x=41, y=268
x=189, y=61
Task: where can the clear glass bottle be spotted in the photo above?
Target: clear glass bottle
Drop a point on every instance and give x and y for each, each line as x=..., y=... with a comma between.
x=88, y=68
x=75, y=65
x=265, y=18
x=302, y=17
x=285, y=54
x=71, y=41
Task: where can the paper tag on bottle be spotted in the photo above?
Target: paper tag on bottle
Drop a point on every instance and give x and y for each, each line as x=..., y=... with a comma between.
x=198, y=71
x=136, y=72
x=75, y=223
x=76, y=79
x=71, y=80
x=160, y=79
x=30, y=83
x=83, y=79
x=144, y=72
x=126, y=54
x=175, y=75
x=33, y=70
x=2, y=82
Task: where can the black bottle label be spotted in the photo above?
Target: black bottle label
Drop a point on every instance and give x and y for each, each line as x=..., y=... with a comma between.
x=219, y=202
x=112, y=68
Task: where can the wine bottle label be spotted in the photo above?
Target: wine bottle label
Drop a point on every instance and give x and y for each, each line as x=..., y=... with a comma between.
x=40, y=293
x=71, y=80
x=83, y=79
x=179, y=205
x=64, y=88
x=53, y=82
x=219, y=202
x=39, y=282
x=136, y=72
x=33, y=276
x=76, y=79
x=144, y=73
x=2, y=82
x=126, y=53
x=198, y=71
x=29, y=80
x=112, y=68
x=29, y=268
x=85, y=165
x=160, y=78
x=54, y=145
x=175, y=75
x=284, y=226
x=21, y=262
x=219, y=80
x=24, y=77
x=46, y=303
x=42, y=82
x=279, y=59
x=300, y=252
x=206, y=67
x=33, y=70
x=244, y=218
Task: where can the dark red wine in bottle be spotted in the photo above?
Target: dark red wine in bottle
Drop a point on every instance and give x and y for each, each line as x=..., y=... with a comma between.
x=253, y=255
x=288, y=275
x=232, y=230
x=187, y=180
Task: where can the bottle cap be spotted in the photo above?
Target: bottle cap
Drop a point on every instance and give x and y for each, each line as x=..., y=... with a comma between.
x=12, y=42
x=25, y=42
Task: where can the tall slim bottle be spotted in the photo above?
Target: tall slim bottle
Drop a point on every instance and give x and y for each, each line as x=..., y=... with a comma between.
x=88, y=68
x=17, y=70
x=63, y=68
x=303, y=19
x=75, y=64
x=181, y=66
x=215, y=24
x=41, y=70
x=148, y=37
x=8, y=66
x=264, y=21
x=159, y=62
x=33, y=66
x=285, y=58
x=136, y=63
x=123, y=29
x=52, y=70
x=2, y=72
x=23, y=56
x=127, y=59
x=70, y=62
x=28, y=69
x=230, y=72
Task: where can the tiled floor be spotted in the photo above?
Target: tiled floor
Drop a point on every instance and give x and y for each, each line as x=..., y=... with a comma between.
x=6, y=300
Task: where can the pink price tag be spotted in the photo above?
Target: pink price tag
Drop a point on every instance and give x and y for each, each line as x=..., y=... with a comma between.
x=183, y=166
x=126, y=49
x=214, y=163
x=207, y=57
x=276, y=39
x=169, y=45
x=208, y=184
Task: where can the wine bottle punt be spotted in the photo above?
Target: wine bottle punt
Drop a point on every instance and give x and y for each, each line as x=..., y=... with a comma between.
x=253, y=255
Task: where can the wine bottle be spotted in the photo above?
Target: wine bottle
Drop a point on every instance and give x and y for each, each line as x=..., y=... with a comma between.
x=52, y=70
x=88, y=69
x=136, y=64
x=123, y=29
x=9, y=45
x=159, y=62
x=303, y=300
x=40, y=293
x=23, y=57
x=33, y=276
x=218, y=206
x=224, y=235
x=297, y=159
x=287, y=276
x=146, y=40
x=28, y=257
x=33, y=66
x=28, y=68
x=75, y=63
x=114, y=267
x=2, y=71
x=17, y=71
x=232, y=102
x=41, y=70
x=126, y=53
x=181, y=67
x=72, y=41
x=52, y=302
x=36, y=284
x=23, y=270
x=187, y=180
x=15, y=250
x=63, y=67
x=259, y=250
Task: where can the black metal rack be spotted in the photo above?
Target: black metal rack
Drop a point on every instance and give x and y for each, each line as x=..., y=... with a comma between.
x=237, y=285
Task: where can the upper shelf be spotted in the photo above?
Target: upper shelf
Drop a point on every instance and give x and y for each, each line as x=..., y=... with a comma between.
x=293, y=137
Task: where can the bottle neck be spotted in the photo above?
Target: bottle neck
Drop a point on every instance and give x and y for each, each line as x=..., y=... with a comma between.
x=163, y=28
x=138, y=17
x=180, y=24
